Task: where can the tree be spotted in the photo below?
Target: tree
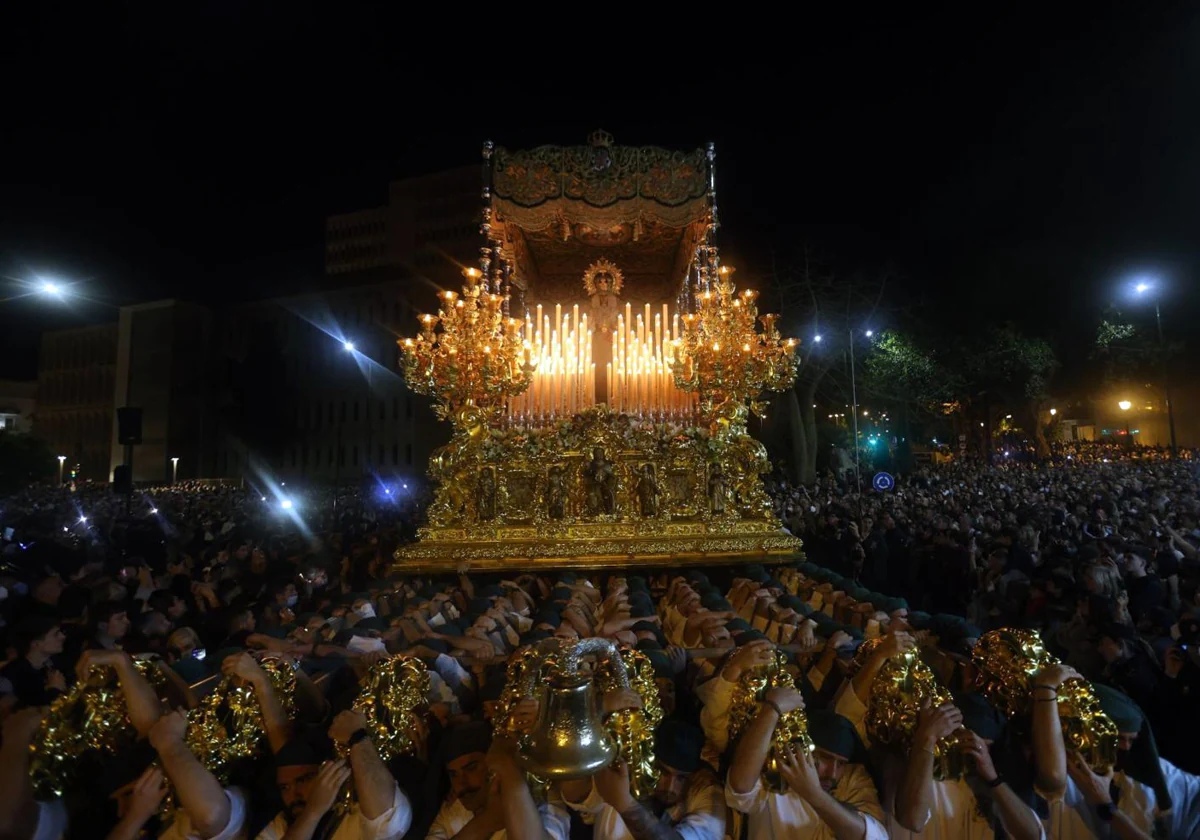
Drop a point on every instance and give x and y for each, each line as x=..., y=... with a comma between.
x=1003, y=366
x=910, y=377
x=1127, y=351
x=817, y=302
x=24, y=460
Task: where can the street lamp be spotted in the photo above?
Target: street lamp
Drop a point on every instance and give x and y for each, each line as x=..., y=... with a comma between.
x=174, y=469
x=1145, y=287
x=61, y=460
x=1125, y=405
x=1053, y=411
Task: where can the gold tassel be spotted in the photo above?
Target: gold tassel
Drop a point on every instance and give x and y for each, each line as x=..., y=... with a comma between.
x=91, y=717
x=791, y=729
x=1007, y=661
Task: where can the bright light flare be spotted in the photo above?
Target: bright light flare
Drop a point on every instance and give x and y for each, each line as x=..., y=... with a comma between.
x=286, y=504
x=1125, y=405
x=817, y=339
x=348, y=346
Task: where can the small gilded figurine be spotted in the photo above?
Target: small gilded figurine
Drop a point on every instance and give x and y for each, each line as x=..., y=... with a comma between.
x=556, y=494
x=716, y=489
x=647, y=492
x=601, y=484
x=485, y=494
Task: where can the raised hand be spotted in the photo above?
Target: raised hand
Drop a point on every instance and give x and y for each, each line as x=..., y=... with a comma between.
x=619, y=699
x=982, y=756
x=346, y=724
x=147, y=795
x=934, y=724
x=330, y=779
x=168, y=729
x=612, y=783
x=1094, y=787
x=787, y=699
x=799, y=771
x=748, y=656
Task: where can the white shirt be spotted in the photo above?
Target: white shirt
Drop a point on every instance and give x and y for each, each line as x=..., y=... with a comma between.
x=699, y=816
x=954, y=816
x=785, y=816
x=453, y=817
x=390, y=825
x=1072, y=818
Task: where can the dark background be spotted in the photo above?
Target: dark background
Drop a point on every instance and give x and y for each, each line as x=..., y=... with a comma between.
x=1014, y=167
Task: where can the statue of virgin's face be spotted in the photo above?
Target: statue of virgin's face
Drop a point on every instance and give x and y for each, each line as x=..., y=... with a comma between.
x=603, y=281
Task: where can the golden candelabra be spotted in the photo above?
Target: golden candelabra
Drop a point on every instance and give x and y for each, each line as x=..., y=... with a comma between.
x=469, y=354
x=721, y=353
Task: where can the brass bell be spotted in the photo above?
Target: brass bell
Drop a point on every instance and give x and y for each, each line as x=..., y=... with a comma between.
x=568, y=741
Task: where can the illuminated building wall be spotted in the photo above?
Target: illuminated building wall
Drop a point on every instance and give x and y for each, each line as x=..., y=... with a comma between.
x=74, y=416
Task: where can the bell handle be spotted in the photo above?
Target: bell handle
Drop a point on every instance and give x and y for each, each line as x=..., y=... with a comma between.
x=595, y=646
x=533, y=667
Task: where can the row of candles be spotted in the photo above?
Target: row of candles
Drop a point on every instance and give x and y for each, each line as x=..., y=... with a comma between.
x=639, y=377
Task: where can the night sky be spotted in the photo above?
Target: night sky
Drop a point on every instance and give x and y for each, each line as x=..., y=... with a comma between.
x=1015, y=167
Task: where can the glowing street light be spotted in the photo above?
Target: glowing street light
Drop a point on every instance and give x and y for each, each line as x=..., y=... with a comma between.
x=348, y=346
x=869, y=333
x=174, y=469
x=1053, y=412
x=1125, y=405
x=1145, y=287
x=817, y=339
x=61, y=460
x=286, y=504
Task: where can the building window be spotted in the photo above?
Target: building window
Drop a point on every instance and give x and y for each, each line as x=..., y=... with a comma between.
x=408, y=454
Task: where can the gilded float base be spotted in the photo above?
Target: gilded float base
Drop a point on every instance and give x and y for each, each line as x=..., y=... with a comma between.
x=597, y=545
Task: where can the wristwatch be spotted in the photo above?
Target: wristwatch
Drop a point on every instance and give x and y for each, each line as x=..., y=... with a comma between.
x=1105, y=811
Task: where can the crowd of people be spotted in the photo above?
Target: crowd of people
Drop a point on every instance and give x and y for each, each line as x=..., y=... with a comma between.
x=205, y=584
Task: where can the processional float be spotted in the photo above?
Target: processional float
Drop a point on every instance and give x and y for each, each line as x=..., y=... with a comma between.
x=598, y=368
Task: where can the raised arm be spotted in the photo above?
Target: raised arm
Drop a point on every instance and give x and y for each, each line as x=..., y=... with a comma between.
x=754, y=744
x=275, y=720
x=199, y=792
x=1049, y=752
x=800, y=772
x=521, y=816
x=374, y=784
x=914, y=797
x=893, y=644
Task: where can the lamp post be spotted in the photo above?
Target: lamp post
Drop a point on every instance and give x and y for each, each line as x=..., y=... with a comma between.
x=174, y=470
x=854, y=412
x=1143, y=288
x=1125, y=405
x=61, y=460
